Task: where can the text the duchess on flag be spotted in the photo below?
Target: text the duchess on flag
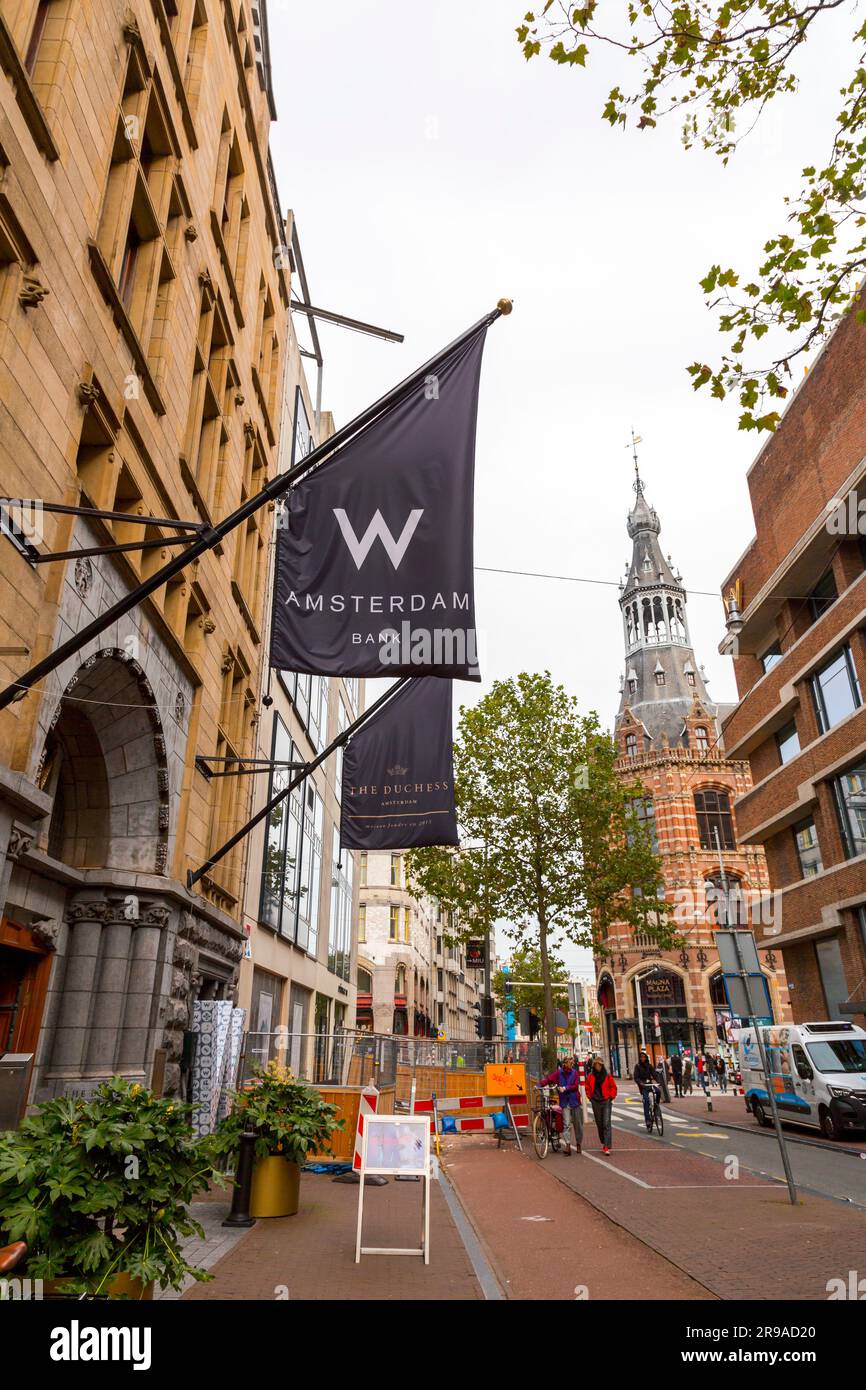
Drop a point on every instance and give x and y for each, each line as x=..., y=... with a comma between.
x=374, y=566
x=398, y=773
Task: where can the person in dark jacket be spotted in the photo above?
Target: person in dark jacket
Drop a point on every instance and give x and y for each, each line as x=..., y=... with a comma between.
x=601, y=1093
x=644, y=1076
x=677, y=1071
x=566, y=1079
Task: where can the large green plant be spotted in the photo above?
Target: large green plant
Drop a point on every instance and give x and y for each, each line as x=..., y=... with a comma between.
x=289, y=1117
x=100, y=1187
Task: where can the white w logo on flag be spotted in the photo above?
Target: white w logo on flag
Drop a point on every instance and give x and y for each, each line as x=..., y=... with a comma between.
x=360, y=549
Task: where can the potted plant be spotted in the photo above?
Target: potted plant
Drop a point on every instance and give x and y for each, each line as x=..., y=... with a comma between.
x=290, y=1121
x=99, y=1191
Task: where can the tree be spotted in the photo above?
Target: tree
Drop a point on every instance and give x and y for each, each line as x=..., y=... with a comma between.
x=558, y=847
x=525, y=964
x=717, y=64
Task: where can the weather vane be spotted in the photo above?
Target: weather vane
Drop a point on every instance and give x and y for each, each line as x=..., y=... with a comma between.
x=635, y=440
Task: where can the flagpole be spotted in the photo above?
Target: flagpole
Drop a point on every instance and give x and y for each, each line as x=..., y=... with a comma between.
x=212, y=536
x=192, y=878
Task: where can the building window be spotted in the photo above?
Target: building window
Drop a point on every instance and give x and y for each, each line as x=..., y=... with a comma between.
x=279, y=870
x=365, y=981
x=702, y=742
x=713, y=810
x=340, y=929
x=632, y=685
x=37, y=34
x=808, y=849
x=836, y=690
x=400, y=980
x=771, y=656
x=362, y=868
x=644, y=812
x=407, y=924
x=690, y=677
x=823, y=596
x=849, y=792
x=362, y=922
x=394, y=929
x=724, y=895
x=396, y=871
x=660, y=677
x=302, y=435
x=788, y=743
x=631, y=745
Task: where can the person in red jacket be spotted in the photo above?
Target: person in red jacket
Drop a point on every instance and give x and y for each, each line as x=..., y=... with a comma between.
x=601, y=1093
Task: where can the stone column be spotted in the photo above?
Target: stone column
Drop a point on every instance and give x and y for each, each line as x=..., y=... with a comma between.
x=143, y=985
x=69, y=1051
x=110, y=986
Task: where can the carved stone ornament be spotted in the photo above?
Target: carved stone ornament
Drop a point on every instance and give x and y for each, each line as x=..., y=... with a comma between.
x=88, y=393
x=83, y=576
x=21, y=838
x=32, y=292
x=179, y=707
x=46, y=932
x=190, y=231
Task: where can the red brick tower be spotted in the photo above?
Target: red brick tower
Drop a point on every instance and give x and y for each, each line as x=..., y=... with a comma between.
x=669, y=734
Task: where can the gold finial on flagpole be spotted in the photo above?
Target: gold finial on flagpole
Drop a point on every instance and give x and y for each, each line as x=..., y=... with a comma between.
x=504, y=305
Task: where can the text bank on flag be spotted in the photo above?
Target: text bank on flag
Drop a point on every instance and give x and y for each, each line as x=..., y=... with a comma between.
x=374, y=568
x=398, y=773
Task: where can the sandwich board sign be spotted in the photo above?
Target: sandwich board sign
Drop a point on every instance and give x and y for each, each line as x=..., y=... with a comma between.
x=396, y=1146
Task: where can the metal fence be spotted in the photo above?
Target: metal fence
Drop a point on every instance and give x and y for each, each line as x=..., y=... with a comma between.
x=348, y=1058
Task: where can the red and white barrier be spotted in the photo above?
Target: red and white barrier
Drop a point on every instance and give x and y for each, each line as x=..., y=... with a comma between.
x=369, y=1105
x=466, y=1122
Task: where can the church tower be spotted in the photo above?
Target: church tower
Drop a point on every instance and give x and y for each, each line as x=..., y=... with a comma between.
x=668, y=736
x=663, y=695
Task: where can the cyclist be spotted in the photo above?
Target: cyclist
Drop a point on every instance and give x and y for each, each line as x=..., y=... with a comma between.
x=646, y=1080
x=566, y=1078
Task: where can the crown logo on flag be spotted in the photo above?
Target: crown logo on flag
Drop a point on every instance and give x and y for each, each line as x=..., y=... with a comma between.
x=397, y=771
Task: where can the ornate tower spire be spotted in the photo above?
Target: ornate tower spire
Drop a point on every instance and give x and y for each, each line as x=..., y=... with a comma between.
x=664, y=689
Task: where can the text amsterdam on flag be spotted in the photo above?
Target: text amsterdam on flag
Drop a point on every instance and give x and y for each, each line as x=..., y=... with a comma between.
x=398, y=773
x=374, y=566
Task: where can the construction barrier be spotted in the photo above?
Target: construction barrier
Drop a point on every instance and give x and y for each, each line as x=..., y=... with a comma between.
x=347, y=1101
x=369, y=1101
x=472, y=1114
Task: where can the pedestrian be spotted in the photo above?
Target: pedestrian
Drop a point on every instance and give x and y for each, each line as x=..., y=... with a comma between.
x=677, y=1073
x=662, y=1074
x=703, y=1077
x=722, y=1073
x=566, y=1079
x=601, y=1093
x=688, y=1076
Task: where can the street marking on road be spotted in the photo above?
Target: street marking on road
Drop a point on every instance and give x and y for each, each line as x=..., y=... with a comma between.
x=605, y=1163
x=536, y=1218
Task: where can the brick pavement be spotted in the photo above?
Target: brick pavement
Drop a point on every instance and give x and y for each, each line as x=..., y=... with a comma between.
x=741, y=1239
x=573, y=1246
x=312, y=1254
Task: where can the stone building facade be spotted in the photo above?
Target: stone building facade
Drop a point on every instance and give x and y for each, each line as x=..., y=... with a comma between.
x=418, y=984
x=796, y=603
x=669, y=736
x=144, y=295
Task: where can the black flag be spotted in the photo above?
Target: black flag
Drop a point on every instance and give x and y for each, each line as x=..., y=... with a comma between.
x=398, y=773
x=374, y=569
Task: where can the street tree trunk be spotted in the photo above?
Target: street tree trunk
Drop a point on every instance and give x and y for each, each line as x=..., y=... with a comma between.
x=549, y=1015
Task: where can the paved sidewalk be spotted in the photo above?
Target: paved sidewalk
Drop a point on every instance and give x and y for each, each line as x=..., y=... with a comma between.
x=543, y=1243
x=740, y=1238
x=312, y=1255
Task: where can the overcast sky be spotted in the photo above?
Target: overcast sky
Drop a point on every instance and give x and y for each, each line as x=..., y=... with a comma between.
x=431, y=171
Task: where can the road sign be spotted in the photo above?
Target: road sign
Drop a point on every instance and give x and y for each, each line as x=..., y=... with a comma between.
x=441, y=1035
x=476, y=956
x=505, y=1079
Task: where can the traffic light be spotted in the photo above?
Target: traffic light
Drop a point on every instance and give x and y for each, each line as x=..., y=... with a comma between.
x=488, y=1018
x=479, y=1022
x=534, y=1025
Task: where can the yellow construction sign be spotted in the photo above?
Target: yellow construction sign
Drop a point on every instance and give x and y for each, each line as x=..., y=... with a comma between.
x=505, y=1079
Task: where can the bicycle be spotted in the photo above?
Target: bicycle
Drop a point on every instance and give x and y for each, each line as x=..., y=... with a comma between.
x=656, y=1118
x=545, y=1135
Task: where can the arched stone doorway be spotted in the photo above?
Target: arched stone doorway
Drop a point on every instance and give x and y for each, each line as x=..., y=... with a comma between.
x=105, y=765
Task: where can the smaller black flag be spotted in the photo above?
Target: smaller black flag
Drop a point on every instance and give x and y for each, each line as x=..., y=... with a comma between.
x=398, y=773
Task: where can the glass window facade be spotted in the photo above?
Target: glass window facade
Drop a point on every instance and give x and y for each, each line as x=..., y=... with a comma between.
x=340, y=929
x=788, y=742
x=849, y=791
x=808, y=848
x=713, y=810
x=836, y=690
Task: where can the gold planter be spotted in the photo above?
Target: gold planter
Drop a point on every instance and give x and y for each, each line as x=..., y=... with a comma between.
x=119, y=1286
x=276, y=1187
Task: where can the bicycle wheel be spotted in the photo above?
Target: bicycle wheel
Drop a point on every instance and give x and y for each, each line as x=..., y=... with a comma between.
x=539, y=1134
x=659, y=1119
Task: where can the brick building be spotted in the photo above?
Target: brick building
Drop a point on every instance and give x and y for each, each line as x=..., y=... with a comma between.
x=143, y=319
x=796, y=604
x=668, y=732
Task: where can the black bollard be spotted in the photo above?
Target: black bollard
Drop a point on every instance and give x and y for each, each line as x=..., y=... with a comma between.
x=240, y=1212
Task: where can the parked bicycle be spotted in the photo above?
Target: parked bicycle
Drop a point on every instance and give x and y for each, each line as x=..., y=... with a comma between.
x=545, y=1134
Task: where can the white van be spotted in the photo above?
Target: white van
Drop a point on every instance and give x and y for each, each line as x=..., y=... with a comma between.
x=817, y=1071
